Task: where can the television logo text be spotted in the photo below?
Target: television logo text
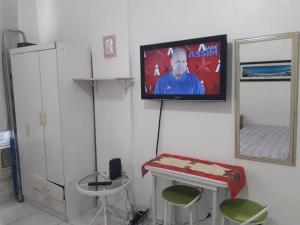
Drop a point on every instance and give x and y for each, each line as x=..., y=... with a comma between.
x=204, y=50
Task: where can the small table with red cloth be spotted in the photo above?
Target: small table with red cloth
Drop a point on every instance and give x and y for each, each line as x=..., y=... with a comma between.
x=196, y=172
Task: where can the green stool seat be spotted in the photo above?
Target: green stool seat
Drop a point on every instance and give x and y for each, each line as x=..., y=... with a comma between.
x=240, y=210
x=180, y=194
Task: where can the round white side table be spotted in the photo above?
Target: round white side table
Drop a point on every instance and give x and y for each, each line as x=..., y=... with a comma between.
x=102, y=191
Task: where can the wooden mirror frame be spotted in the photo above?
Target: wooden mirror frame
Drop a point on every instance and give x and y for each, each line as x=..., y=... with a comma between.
x=294, y=36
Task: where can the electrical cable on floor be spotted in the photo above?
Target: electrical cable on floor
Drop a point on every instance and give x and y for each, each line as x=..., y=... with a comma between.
x=201, y=220
x=139, y=217
x=158, y=130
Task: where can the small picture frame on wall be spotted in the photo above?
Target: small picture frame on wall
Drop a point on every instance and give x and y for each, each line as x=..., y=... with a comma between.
x=109, y=46
x=279, y=70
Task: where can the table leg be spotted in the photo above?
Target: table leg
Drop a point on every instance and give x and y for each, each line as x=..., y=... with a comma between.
x=97, y=214
x=226, y=196
x=173, y=209
x=109, y=209
x=214, y=207
x=103, y=200
x=153, y=200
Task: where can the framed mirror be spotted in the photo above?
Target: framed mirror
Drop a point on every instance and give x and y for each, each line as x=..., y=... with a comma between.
x=266, y=90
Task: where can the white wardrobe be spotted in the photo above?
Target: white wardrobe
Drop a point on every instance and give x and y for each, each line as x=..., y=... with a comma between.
x=55, y=125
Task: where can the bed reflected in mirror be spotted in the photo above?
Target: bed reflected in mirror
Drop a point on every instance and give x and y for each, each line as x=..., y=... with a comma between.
x=266, y=98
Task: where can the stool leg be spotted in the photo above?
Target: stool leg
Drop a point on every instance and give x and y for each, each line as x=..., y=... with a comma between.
x=197, y=212
x=191, y=216
x=165, y=213
x=173, y=215
x=223, y=220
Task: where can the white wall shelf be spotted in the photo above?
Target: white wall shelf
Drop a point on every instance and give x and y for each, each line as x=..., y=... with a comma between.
x=125, y=82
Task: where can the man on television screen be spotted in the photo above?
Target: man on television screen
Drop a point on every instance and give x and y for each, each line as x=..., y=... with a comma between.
x=179, y=80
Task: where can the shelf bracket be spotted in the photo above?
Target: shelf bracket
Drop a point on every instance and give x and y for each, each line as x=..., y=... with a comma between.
x=126, y=84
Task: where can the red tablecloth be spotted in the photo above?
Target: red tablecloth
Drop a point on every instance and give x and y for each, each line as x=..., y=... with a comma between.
x=234, y=176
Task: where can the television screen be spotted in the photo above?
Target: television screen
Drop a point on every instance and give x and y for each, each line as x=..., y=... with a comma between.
x=192, y=69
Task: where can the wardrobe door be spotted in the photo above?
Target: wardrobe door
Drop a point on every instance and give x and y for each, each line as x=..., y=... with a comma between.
x=28, y=106
x=51, y=107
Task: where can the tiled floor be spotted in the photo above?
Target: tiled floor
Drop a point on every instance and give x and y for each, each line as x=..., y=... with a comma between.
x=15, y=213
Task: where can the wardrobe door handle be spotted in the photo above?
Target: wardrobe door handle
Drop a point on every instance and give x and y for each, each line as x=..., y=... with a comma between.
x=41, y=119
x=46, y=189
x=48, y=201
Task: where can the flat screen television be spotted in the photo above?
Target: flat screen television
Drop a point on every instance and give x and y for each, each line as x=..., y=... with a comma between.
x=193, y=69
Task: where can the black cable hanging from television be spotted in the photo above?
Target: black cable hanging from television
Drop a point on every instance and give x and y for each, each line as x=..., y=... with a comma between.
x=158, y=129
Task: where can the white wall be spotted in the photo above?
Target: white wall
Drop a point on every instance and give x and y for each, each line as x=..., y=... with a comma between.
x=28, y=19
x=200, y=129
x=73, y=21
x=55, y=20
x=47, y=20
x=110, y=19
x=203, y=129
